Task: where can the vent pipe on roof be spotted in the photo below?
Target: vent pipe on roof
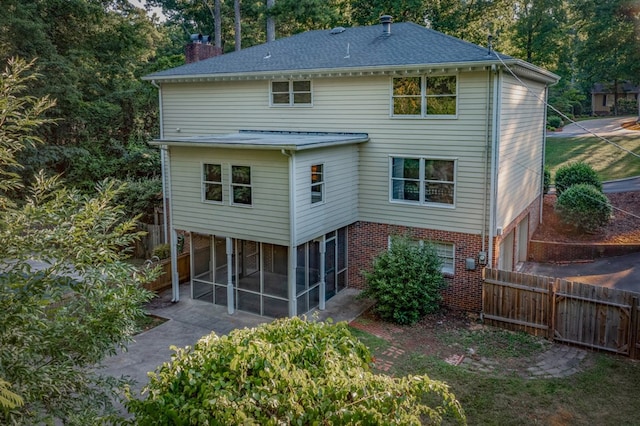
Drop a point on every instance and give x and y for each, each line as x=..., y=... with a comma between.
x=386, y=20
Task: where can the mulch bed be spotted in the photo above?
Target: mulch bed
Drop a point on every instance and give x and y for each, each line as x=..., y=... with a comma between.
x=624, y=228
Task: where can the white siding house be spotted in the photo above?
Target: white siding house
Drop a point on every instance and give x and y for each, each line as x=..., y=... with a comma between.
x=289, y=164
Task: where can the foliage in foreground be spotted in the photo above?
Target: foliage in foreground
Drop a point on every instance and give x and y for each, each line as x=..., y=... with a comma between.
x=290, y=371
x=584, y=207
x=68, y=300
x=406, y=281
x=574, y=174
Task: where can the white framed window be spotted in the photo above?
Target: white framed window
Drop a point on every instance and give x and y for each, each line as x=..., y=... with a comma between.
x=422, y=180
x=212, y=183
x=446, y=253
x=425, y=96
x=317, y=183
x=241, y=190
x=291, y=93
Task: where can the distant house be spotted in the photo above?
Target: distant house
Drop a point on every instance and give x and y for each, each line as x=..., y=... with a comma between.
x=603, y=96
x=290, y=164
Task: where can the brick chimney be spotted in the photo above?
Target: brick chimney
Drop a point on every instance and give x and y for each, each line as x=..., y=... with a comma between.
x=200, y=48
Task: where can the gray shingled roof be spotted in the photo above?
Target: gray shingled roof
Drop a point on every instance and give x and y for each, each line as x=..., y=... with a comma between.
x=358, y=47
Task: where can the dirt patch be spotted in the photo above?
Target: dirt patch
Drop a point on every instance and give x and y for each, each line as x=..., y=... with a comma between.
x=624, y=227
x=452, y=336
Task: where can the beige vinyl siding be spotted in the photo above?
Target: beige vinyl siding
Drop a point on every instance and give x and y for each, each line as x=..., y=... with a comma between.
x=267, y=220
x=340, y=205
x=521, y=145
x=356, y=104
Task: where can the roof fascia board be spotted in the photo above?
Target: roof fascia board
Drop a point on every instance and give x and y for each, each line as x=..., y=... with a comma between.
x=329, y=72
x=278, y=147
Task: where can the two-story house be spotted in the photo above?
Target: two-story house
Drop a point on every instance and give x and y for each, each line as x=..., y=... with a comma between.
x=289, y=165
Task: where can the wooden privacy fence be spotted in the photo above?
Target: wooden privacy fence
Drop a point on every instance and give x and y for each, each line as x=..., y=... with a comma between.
x=581, y=314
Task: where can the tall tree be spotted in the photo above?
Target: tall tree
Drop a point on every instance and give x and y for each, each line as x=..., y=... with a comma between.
x=609, y=45
x=59, y=320
x=237, y=14
x=271, y=21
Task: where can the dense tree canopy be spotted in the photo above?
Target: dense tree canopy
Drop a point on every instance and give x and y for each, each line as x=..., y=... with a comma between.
x=68, y=297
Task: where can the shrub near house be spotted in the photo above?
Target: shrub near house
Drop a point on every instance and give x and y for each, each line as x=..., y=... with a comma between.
x=290, y=371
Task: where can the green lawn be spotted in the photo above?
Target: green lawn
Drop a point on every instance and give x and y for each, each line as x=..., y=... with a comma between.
x=604, y=393
x=609, y=161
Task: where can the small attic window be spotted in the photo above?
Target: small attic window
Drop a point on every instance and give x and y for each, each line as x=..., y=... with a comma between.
x=337, y=30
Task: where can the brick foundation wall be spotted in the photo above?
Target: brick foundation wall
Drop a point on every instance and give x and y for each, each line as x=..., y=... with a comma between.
x=367, y=239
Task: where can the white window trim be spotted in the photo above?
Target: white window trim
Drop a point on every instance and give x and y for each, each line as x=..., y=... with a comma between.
x=204, y=182
x=322, y=185
x=423, y=97
x=231, y=185
x=421, y=202
x=448, y=271
x=291, y=103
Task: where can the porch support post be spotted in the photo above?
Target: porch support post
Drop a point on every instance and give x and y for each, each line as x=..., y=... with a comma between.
x=323, y=250
x=175, y=280
x=291, y=281
x=230, y=301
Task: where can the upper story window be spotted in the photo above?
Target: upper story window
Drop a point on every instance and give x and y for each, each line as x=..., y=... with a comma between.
x=291, y=93
x=425, y=96
x=212, y=182
x=317, y=183
x=422, y=180
x=241, y=185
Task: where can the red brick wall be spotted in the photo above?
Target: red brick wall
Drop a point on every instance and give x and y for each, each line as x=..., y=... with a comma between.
x=367, y=239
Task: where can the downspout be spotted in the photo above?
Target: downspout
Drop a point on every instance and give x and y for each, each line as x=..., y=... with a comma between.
x=162, y=164
x=544, y=145
x=170, y=234
x=293, y=310
x=486, y=166
x=494, y=164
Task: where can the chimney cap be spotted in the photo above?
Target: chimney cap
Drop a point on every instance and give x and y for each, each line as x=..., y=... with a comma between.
x=386, y=19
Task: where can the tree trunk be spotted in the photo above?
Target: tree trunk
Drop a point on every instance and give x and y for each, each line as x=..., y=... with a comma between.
x=271, y=23
x=238, y=24
x=217, y=24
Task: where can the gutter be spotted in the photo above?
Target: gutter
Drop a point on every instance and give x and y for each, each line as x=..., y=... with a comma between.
x=494, y=165
x=541, y=73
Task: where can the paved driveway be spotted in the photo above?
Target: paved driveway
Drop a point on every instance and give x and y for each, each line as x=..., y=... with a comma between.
x=602, y=127
x=620, y=272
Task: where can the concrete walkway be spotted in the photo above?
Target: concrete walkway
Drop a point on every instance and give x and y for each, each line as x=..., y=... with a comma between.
x=189, y=320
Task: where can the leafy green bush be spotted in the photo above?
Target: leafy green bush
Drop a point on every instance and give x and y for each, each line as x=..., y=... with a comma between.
x=627, y=106
x=162, y=251
x=290, y=371
x=554, y=121
x=547, y=180
x=406, y=281
x=576, y=173
x=584, y=207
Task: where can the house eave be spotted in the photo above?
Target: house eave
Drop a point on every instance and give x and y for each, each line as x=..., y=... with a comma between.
x=266, y=140
x=329, y=72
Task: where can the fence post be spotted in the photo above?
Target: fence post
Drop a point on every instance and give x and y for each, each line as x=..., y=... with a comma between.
x=551, y=311
x=633, y=340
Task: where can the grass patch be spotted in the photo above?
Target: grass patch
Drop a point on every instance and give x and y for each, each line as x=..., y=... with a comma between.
x=603, y=394
x=609, y=161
